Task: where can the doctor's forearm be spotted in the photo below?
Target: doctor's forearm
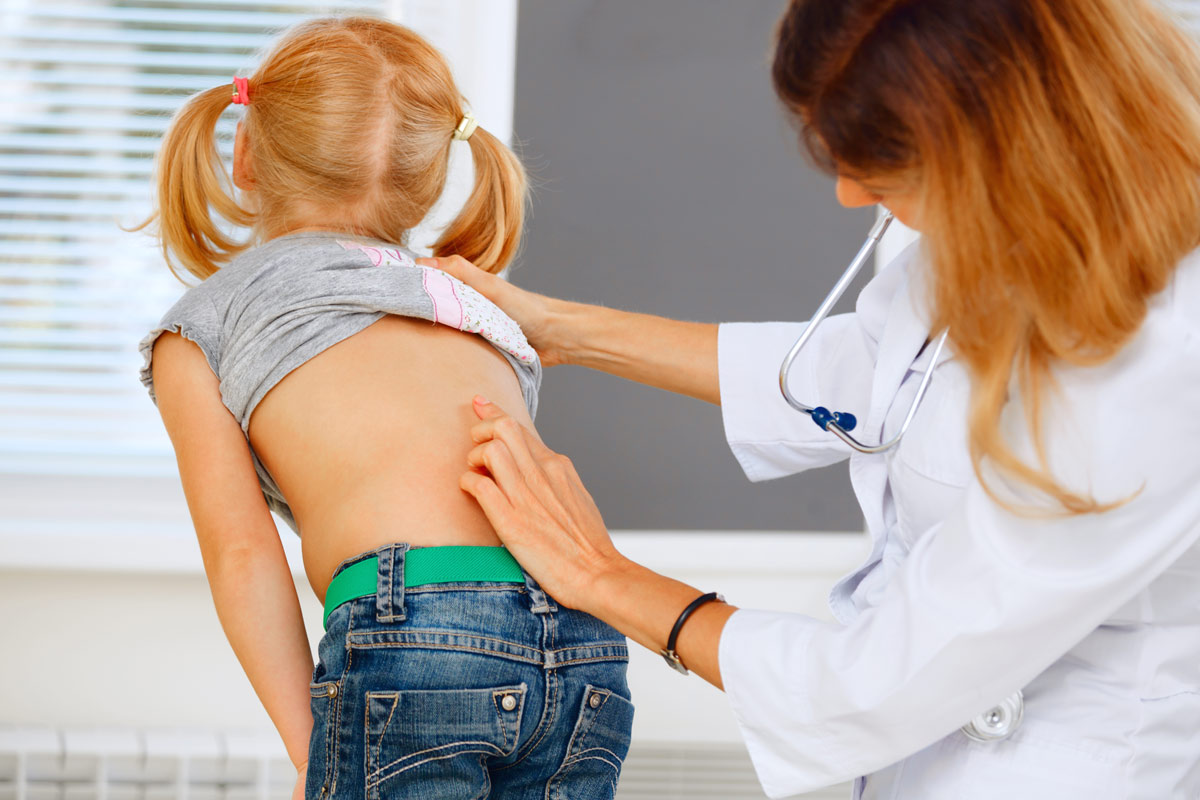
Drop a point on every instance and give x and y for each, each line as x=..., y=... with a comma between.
x=644, y=605
x=669, y=354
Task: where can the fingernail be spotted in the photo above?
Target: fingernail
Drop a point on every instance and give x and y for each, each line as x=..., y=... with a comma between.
x=481, y=400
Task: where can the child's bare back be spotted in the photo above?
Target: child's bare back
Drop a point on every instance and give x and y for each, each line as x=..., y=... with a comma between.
x=392, y=407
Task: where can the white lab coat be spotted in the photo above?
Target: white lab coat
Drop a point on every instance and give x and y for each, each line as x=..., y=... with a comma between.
x=962, y=602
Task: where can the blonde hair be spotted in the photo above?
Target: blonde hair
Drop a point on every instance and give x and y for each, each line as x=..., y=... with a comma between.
x=1055, y=145
x=351, y=119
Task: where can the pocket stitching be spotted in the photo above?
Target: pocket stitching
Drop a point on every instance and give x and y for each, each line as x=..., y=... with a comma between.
x=376, y=776
x=590, y=716
x=501, y=713
x=581, y=756
x=1169, y=696
x=334, y=748
x=545, y=722
x=367, y=722
x=379, y=778
x=330, y=729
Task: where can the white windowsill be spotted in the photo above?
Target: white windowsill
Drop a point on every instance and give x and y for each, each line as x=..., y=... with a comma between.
x=117, y=525
x=142, y=548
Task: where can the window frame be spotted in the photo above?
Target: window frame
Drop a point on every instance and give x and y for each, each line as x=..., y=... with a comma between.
x=132, y=515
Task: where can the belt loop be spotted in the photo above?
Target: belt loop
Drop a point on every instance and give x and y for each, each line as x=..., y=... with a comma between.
x=542, y=603
x=389, y=589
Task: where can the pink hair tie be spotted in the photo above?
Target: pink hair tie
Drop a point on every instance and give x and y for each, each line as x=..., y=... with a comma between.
x=241, y=91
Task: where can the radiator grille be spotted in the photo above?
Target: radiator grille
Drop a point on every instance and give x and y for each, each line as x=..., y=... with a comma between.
x=41, y=764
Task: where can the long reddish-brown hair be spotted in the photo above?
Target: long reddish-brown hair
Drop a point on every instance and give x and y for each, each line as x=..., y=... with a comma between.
x=1055, y=149
x=349, y=123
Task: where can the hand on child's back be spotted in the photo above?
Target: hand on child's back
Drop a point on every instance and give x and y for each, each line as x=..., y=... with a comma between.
x=530, y=310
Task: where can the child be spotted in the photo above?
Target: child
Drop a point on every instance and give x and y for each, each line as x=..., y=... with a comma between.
x=303, y=376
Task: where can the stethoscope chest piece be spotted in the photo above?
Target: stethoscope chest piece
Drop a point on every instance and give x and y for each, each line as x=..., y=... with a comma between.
x=999, y=722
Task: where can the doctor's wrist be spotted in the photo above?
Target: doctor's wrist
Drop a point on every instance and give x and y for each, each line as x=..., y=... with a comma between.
x=569, y=330
x=645, y=605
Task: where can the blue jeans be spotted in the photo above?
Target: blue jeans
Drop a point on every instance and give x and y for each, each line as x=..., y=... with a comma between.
x=465, y=691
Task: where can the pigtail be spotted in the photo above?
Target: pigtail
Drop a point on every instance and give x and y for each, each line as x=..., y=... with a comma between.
x=192, y=184
x=487, y=232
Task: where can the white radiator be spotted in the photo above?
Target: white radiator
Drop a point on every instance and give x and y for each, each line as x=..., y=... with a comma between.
x=45, y=764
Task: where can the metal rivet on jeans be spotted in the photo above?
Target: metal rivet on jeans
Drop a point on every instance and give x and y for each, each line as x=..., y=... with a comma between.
x=508, y=702
x=332, y=690
x=595, y=700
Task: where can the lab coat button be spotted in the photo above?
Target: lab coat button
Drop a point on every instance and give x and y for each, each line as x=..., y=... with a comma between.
x=997, y=723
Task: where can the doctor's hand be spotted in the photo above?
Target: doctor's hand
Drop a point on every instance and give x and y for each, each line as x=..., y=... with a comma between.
x=539, y=507
x=670, y=354
x=533, y=312
x=546, y=518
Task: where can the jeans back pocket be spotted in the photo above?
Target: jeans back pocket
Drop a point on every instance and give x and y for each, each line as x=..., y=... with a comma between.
x=322, y=745
x=433, y=743
x=599, y=744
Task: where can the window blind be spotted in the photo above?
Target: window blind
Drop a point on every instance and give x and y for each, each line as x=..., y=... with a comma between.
x=87, y=88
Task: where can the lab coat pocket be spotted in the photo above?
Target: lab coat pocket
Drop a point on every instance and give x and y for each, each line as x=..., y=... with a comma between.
x=932, y=464
x=1025, y=766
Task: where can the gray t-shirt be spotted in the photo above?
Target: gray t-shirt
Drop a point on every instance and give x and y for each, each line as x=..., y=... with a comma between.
x=274, y=307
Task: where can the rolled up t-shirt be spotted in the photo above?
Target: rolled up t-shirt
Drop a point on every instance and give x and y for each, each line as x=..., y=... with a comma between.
x=274, y=307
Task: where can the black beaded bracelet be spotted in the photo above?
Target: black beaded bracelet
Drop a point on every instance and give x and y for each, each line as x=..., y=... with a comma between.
x=669, y=654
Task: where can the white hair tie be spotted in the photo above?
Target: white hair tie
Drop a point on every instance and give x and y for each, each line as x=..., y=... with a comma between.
x=465, y=128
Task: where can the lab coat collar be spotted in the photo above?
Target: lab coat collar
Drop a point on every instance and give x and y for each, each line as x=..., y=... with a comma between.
x=889, y=310
x=904, y=334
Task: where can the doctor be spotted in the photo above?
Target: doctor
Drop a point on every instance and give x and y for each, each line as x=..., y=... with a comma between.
x=1036, y=530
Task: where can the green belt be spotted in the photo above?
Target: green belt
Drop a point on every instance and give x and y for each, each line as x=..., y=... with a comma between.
x=425, y=565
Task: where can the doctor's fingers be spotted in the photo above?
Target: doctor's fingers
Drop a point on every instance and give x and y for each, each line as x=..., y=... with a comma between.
x=494, y=459
x=496, y=506
x=493, y=287
x=531, y=485
x=533, y=515
x=482, y=282
x=513, y=444
x=561, y=551
x=496, y=424
x=543, y=512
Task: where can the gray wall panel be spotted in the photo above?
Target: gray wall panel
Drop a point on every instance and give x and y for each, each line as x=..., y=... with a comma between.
x=670, y=182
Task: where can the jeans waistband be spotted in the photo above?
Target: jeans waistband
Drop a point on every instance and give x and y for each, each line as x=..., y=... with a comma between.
x=420, y=567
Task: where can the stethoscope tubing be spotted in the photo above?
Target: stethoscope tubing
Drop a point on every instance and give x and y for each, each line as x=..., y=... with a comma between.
x=864, y=254
x=839, y=424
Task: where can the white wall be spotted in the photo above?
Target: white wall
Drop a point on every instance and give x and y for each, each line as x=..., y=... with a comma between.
x=90, y=643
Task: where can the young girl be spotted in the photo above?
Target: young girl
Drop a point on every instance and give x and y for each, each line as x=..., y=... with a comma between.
x=303, y=376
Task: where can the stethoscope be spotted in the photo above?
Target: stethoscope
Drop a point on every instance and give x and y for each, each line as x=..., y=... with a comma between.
x=840, y=423
x=996, y=723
